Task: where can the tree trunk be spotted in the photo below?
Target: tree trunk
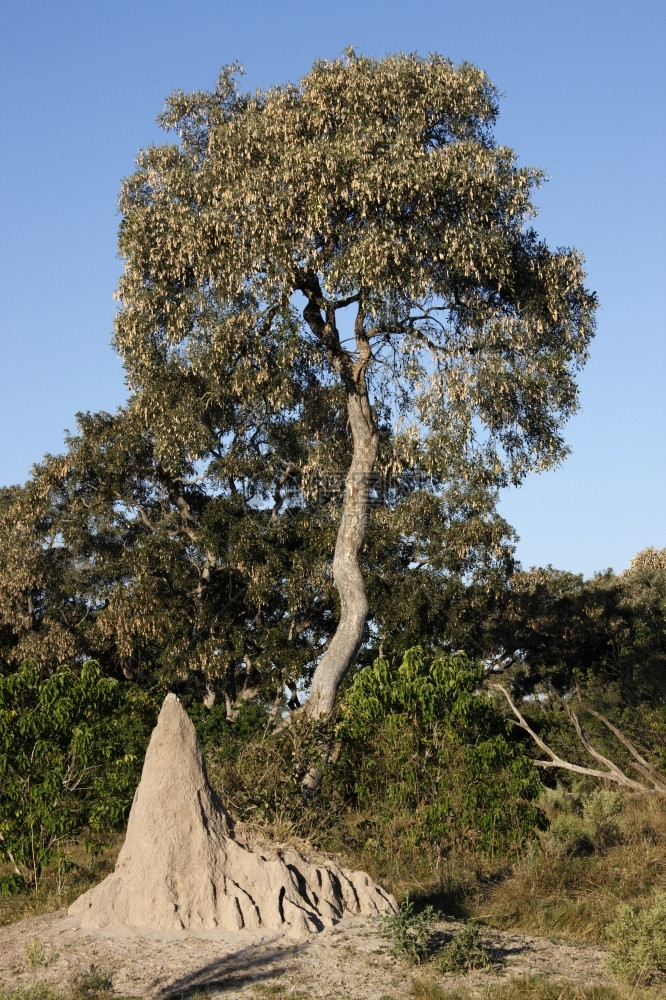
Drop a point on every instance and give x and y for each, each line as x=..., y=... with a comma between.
x=346, y=569
x=320, y=314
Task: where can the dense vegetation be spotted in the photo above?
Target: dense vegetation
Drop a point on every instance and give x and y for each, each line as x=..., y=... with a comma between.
x=430, y=786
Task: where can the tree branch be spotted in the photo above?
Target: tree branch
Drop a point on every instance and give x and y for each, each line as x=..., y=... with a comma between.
x=17, y=870
x=613, y=773
x=647, y=770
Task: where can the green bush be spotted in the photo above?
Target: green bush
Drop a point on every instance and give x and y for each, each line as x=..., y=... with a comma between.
x=222, y=737
x=639, y=941
x=422, y=740
x=582, y=822
x=71, y=750
x=466, y=951
x=410, y=931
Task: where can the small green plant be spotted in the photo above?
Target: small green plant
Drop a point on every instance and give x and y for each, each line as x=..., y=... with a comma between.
x=35, y=954
x=410, y=932
x=600, y=813
x=92, y=985
x=639, y=942
x=466, y=951
x=581, y=824
x=11, y=885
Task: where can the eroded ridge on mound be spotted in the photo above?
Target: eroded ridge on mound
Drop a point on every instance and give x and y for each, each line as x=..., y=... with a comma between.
x=181, y=868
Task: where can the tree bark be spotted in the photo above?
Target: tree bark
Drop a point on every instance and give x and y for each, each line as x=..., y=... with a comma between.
x=346, y=568
x=348, y=578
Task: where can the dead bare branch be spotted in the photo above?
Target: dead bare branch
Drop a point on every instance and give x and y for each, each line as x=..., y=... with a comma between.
x=640, y=763
x=613, y=772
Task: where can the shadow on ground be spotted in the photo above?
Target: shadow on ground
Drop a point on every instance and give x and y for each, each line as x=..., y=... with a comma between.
x=241, y=968
x=454, y=900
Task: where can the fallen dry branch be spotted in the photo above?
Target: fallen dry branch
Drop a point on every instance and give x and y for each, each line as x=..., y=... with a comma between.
x=612, y=773
x=640, y=764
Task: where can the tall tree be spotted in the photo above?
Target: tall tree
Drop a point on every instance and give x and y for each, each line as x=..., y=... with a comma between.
x=193, y=579
x=362, y=228
x=39, y=609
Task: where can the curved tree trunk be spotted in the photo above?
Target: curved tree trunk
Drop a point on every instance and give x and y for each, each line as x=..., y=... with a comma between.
x=352, y=370
x=346, y=569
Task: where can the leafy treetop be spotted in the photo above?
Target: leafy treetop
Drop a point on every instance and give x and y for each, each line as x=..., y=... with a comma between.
x=374, y=185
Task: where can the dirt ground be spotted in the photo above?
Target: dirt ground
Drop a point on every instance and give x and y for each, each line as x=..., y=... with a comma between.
x=350, y=961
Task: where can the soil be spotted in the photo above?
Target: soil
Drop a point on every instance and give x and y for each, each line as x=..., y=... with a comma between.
x=350, y=961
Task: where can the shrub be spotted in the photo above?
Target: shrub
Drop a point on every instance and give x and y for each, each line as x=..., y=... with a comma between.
x=410, y=932
x=466, y=951
x=71, y=750
x=600, y=813
x=222, y=737
x=423, y=741
x=639, y=941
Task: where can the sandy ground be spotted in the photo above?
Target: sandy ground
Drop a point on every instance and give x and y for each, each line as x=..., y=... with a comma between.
x=348, y=962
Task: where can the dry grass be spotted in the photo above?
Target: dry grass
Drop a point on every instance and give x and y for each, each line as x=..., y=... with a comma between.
x=530, y=988
x=93, y=986
x=570, y=886
x=600, y=850
x=56, y=891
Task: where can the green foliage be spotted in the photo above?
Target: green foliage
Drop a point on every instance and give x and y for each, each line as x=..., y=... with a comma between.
x=608, y=631
x=181, y=538
x=371, y=183
x=580, y=824
x=91, y=984
x=35, y=954
x=11, y=884
x=422, y=989
x=423, y=741
x=71, y=750
x=225, y=738
x=465, y=951
x=413, y=938
x=638, y=940
x=591, y=855
x=410, y=931
x=161, y=579
x=371, y=191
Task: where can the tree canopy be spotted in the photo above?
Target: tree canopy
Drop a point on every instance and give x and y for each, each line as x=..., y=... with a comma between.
x=551, y=627
x=166, y=580
x=349, y=256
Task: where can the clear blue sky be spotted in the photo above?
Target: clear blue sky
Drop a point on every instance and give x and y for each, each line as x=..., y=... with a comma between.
x=584, y=99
